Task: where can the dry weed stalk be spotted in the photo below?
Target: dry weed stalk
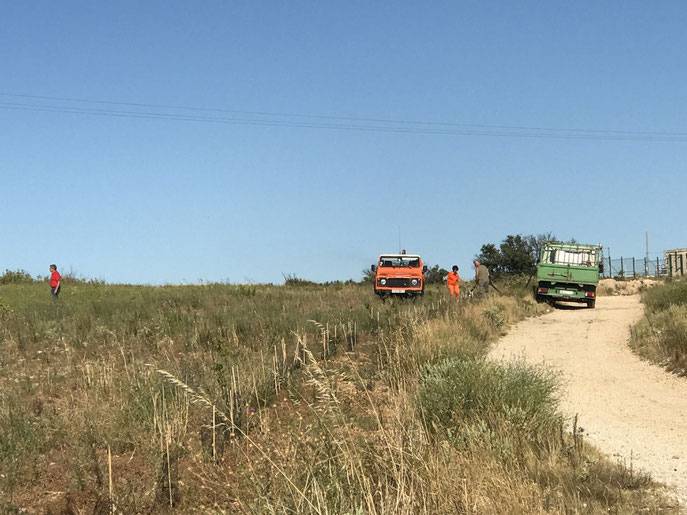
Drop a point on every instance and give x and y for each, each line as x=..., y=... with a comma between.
x=109, y=471
x=198, y=398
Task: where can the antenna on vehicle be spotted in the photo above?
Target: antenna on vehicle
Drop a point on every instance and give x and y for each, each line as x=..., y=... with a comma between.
x=399, y=238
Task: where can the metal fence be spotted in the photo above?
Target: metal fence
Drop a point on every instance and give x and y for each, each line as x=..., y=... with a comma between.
x=676, y=261
x=636, y=267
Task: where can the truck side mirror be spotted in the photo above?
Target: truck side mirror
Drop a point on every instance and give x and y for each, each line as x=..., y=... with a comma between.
x=601, y=268
x=373, y=268
x=424, y=269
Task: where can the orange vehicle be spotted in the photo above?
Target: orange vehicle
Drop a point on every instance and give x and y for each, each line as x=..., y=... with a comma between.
x=399, y=275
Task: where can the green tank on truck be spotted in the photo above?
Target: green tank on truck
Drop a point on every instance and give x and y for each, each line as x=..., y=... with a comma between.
x=569, y=271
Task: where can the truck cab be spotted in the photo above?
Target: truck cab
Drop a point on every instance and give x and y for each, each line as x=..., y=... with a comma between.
x=399, y=275
x=569, y=272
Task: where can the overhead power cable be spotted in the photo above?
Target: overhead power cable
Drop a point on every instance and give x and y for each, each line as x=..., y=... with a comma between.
x=273, y=119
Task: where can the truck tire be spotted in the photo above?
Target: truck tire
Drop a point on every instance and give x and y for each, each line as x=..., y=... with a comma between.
x=591, y=303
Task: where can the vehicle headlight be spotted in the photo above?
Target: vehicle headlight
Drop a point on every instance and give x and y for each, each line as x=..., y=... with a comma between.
x=382, y=282
x=414, y=282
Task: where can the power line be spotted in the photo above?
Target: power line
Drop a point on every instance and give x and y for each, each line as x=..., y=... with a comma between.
x=343, y=118
x=153, y=111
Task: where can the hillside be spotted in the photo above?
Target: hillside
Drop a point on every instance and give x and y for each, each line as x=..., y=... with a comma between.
x=324, y=400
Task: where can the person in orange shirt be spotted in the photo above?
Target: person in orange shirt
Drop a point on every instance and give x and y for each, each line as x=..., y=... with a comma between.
x=453, y=283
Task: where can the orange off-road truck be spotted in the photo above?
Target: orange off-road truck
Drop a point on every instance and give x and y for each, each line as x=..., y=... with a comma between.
x=399, y=275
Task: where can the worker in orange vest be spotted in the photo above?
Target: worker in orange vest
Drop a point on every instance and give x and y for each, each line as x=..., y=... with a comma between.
x=453, y=283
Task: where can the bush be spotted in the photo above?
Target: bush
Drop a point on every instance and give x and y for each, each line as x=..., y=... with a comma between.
x=15, y=277
x=456, y=393
x=495, y=315
x=292, y=280
x=672, y=293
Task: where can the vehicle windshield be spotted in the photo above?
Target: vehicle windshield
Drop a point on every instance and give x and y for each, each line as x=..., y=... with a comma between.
x=399, y=262
x=581, y=257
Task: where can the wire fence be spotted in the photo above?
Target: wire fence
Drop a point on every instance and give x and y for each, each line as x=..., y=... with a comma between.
x=637, y=267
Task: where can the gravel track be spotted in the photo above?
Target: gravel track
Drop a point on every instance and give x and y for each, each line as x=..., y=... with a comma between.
x=632, y=410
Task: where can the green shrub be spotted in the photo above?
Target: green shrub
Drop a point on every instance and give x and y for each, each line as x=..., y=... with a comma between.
x=457, y=393
x=15, y=277
x=495, y=315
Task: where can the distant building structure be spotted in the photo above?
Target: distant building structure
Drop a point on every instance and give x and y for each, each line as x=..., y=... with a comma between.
x=676, y=261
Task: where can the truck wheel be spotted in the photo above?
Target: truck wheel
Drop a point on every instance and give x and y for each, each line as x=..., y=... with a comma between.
x=539, y=298
x=591, y=303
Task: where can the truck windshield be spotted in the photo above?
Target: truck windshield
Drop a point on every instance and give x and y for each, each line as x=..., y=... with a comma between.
x=580, y=257
x=396, y=262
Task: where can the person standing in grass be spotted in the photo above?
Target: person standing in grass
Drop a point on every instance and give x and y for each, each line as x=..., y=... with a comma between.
x=481, y=278
x=453, y=283
x=55, y=281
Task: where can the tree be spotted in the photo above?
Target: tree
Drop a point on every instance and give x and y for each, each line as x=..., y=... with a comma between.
x=517, y=256
x=368, y=276
x=537, y=243
x=435, y=275
x=491, y=257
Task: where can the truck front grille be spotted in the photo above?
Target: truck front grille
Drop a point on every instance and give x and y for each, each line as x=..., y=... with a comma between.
x=398, y=282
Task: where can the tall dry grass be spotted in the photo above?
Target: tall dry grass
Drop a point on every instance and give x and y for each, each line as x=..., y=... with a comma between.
x=265, y=399
x=661, y=335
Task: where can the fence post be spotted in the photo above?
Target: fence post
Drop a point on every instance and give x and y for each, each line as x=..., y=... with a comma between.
x=622, y=268
x=658, y=272
x=610, y=269
x=681, y=265
x=634, y=270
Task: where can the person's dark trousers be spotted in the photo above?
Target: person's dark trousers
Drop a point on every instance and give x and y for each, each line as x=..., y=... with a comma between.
x=55, y=292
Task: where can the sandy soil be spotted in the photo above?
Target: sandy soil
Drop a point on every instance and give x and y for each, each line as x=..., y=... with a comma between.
x=634, y=411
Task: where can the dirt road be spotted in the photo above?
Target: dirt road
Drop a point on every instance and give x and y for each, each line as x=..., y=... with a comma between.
x=630, y=409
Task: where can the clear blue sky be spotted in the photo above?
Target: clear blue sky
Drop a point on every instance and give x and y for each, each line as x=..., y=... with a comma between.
x=145, y=198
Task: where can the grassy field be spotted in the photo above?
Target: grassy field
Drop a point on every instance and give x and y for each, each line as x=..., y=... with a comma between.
x=661, y=336
x=283, y=399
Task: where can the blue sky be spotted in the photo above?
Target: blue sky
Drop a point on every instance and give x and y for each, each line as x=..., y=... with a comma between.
x=132, y=195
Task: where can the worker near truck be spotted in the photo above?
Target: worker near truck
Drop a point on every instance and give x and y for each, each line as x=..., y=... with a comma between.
x=481, y=278
x=453, y=283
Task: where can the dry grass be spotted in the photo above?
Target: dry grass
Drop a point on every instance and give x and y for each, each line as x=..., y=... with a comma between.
x=263, y=399
x=613, y=287
x=661, y=335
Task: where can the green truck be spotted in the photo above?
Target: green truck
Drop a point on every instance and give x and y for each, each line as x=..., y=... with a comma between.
x=569, y=271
